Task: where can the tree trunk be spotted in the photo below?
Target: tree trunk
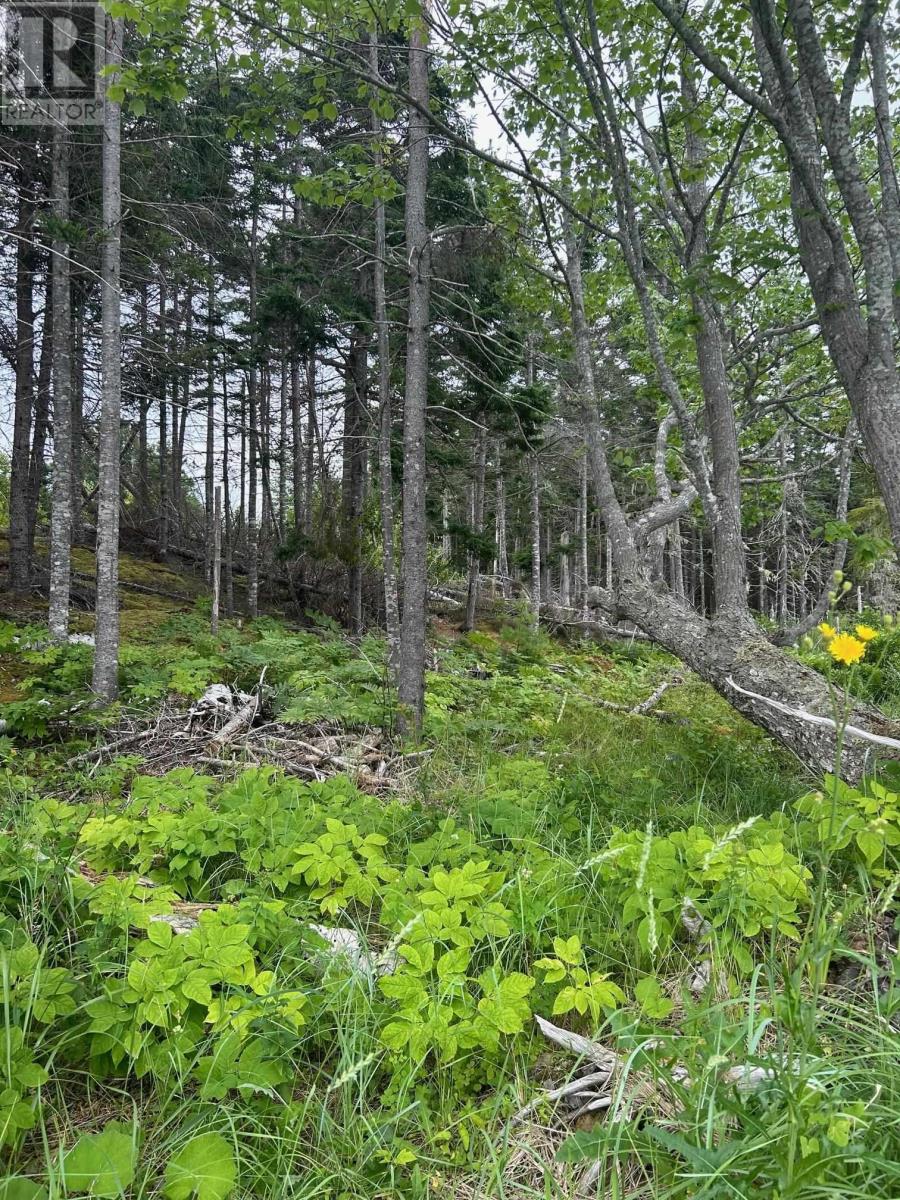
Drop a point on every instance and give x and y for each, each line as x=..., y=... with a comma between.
x=296, y=442
x=355, y=473
x=719, y=650
x=106, y=653
x=385, y=416
x=216, y=560
x=584, y=581
x=312, y=435
x=226, y=488
x=210, y=463
x=479, y=466
x=411, y=674
x=61, y=506
x=143, y=469
x=252, y=434
x=41, y=424
x=19, y=554
x=500, y=519
x=283, y=445
x=163, y=538
x=535, y=541
x=77, y=390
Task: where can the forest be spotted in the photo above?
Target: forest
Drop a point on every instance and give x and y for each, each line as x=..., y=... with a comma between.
x=449, y=600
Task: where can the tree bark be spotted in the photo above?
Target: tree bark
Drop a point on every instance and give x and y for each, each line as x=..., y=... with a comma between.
x=19, y=554
x=385, y=415
x=500, y=521
x=226, y=488
x=41, y=425
x=479, y=465
x=252, y=434
x=106, y=652
x=143, y=469
x=163, y=538
x=535, y=541
x=61, y=505
x=210, y=463
x=355, y=471
x=216, y=560
x=411, y=674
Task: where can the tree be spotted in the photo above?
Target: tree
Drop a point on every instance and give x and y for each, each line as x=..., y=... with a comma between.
x=106, y=653
x=411, y=674
x=61, y=511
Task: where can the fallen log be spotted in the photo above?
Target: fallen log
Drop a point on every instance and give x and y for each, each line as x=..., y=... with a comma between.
x=241, y=720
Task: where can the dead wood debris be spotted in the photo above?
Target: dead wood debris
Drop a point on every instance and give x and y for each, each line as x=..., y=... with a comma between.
x=228, y=730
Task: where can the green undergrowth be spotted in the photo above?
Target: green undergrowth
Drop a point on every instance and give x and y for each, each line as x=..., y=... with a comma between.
x=178, y=1023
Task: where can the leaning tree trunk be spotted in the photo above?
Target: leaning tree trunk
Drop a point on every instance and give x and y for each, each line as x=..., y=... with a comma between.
x=106, y=653
x=61, y=505
x=724, y=653
x=411, y=673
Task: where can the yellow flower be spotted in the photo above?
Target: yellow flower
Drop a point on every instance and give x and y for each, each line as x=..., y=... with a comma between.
x=866, y=633
x=827, y=631
x=846, y=649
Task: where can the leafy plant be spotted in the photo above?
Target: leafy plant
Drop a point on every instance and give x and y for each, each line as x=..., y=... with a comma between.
x=587, y=992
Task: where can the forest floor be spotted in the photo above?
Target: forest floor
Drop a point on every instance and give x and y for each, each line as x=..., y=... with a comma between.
x=313, y=962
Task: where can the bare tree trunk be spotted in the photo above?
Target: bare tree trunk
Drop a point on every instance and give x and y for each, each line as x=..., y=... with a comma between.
x=61, y=507
x=411, y=674
x=163, y=539
x=446, y=543
x=252, y=397
x=226, y=487
x=297, y=443
x=312, y=436
x=479, y=465
x=106, y=652
x=500, y=519
x=535, y=541
x=355, y=463
x=385, y=416
x=210, y=464
x=143, y=471
x=584, y=582
x=676, y=559
x=216, y=560
x=77, y=390
x=565, y=590
x=19, y=553
x=283, y=445
x=183, y=409
x=41, y=423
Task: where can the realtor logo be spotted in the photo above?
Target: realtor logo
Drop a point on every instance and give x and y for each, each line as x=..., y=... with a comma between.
x=53, y=55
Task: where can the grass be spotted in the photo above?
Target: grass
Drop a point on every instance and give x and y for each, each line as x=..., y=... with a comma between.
x=363, y=1092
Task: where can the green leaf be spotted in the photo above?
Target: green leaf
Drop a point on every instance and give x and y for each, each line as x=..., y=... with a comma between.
x=17, y=1187
x=652, y=999
x=204, y=1167
x=159, y=933
x=568, y=949
x=505, y=1007
x=871, y=844
x=101, y=1164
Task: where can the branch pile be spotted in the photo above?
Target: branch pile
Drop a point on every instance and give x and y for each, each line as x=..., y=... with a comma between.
x=228, y=729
